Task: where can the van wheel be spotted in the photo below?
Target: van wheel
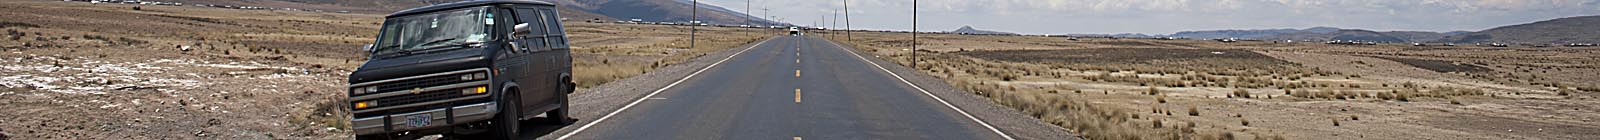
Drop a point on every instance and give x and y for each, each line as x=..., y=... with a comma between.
x=559, y=115
x=505, y=125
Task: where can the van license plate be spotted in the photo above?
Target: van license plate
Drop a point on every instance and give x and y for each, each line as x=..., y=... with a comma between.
x=419, y=120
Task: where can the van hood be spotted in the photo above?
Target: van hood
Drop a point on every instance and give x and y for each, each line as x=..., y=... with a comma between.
x=419, y=64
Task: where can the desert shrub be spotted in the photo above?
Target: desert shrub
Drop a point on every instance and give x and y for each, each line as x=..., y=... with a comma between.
x=1386, y=95
x=1193, y=111
x=1161, y=99
x=1156, y=124
x=1589, y=89
x=1404, y=97
x=1152, y=91
x=1241, y=93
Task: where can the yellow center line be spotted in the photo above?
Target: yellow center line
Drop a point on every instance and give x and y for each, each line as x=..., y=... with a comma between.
x=796, y=95
x=796, y=73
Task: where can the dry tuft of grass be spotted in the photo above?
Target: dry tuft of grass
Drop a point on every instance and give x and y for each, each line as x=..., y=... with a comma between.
x=1161, y=99
x=1193, y=111
x=1240, y=93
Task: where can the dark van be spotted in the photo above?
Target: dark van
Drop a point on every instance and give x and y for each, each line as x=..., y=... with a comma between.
x=463, y=68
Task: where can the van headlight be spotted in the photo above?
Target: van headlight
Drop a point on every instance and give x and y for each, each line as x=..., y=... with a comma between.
x=474, y=76
x=364, y=90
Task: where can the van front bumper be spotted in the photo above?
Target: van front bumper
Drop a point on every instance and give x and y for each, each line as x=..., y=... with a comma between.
x=440, y=118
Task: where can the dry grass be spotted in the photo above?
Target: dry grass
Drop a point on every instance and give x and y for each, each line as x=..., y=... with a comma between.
x=1032, y=73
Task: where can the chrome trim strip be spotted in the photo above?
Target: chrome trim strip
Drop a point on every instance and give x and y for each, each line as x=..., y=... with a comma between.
x=423, y=103
x=485, y=70
x=427, y=89
x=488, y=108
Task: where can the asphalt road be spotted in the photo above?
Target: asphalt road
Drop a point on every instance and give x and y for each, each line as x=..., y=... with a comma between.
x=788, y=87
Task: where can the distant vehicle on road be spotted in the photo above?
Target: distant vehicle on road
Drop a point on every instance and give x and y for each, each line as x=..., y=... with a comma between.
x=462, y=68
x=794, y=31
x=1228, y=39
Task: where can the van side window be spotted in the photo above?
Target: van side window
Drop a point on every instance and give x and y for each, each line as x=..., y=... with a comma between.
x=506, y=16
x=535, y=40
x=557, y=36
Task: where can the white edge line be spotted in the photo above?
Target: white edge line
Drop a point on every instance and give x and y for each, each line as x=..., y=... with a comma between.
x=641, y=99
x=946, y=104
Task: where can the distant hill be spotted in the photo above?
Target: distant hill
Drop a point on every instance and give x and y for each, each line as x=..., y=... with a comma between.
x=662, y=11
x=970, y=30
x=1582, y=29
x=1321, y=33
x=1420, y=36
x=1236, y=34
x=648, y=10
x=1343, y=34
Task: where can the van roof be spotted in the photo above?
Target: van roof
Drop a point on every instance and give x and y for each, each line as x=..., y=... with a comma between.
x=453, y=5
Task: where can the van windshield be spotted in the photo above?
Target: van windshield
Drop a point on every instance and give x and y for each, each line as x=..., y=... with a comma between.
x=434, y=31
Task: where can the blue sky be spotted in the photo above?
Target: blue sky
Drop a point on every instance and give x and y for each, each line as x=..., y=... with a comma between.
x=1168, y=16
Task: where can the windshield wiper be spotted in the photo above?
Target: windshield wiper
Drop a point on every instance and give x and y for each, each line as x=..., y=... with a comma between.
x=423, y=46
x=451, y=46
x=436, y=42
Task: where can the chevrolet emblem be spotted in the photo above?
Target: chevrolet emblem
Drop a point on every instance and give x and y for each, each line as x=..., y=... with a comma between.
x=416, y=90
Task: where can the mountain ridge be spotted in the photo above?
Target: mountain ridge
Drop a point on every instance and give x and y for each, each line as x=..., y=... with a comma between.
x=650, y=10
x=1578, y=29
x=972, y=31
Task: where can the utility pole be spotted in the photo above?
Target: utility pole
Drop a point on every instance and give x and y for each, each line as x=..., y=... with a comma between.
x=913, y=34
x=694, y=19
x=847, y=21
x=768, y=14
x=835, y=24
x=747, y=15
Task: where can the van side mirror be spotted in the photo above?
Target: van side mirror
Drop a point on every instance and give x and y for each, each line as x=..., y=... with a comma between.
x=367, y=48
x=521, y=29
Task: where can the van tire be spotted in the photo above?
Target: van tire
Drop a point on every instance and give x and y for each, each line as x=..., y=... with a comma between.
x=559, y=115
x=506, y=124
